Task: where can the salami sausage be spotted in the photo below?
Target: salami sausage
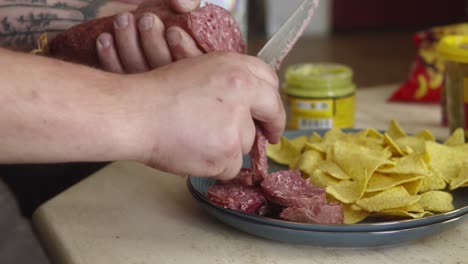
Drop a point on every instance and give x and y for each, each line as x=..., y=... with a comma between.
x=288, y=188
x=259, y=157
x=245, y=177
x=212, y=27
x=331, y=213
x=238, y=197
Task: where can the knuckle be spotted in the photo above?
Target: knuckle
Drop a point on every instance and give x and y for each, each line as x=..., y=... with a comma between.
x=238, y=78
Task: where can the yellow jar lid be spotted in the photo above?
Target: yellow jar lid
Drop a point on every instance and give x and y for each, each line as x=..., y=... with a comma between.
x=454, y=48
x=319, y=80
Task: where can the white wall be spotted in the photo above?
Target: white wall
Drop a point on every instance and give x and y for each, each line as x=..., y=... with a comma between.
x=278, y=12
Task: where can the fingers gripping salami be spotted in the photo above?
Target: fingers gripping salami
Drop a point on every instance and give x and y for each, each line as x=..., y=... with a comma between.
x=212, y=27
x=264, y=193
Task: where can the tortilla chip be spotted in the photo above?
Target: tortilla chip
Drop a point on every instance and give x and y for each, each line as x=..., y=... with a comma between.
x=308, y=162
x=426, y=135
x=285, y=152
x=390, y=199
x=457, y=138
x=413, y=187
x=395, y=131
x=447, y=160
x=382, y=182
x=437, y=201
x=322, y=179
x=333, y=170
x=359, y=163
x=353, y=216
x=393, y=147
x=410, y=164
x=418, y=145
x=432, y=182
x=315, y=138
x=461, y=180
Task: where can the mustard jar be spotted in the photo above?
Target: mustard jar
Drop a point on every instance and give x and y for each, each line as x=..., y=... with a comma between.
x=454, y=51
x=319, y=96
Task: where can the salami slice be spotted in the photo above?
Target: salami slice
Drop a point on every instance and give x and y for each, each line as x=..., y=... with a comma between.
x=212, y=27
x=288, y=188
x=245, y=177
x=259, y=156
x=331, y=213
x=237, y=197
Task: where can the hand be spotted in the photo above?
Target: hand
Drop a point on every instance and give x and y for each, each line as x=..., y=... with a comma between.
x=143, y=44
x=203, y=123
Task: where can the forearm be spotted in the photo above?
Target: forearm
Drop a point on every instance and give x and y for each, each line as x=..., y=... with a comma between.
x=21, y=22
x=54, y=111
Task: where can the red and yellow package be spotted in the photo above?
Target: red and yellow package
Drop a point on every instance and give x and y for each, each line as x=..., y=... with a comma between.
x=425, y=83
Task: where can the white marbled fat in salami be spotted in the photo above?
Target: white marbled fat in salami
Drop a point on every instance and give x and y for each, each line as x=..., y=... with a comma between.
x=288, y=188
x=238, y=197
x=331, y=213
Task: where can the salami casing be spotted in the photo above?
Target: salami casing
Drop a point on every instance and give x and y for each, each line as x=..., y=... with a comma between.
x=212, y=27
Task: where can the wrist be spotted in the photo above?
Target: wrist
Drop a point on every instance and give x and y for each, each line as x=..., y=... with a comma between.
x=136, y=116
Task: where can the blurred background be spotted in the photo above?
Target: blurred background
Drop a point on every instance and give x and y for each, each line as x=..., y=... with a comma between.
x=375, y=38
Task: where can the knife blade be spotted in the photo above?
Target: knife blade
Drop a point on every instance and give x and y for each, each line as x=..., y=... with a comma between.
x=278, y=47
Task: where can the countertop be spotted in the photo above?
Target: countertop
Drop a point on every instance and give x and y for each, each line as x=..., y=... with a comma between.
x=129, y=213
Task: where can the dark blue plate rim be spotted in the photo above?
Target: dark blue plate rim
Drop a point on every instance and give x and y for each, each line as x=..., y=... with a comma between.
x=453, y=219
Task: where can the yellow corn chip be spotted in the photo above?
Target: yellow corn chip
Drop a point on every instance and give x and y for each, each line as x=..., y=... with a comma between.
x=315, y=138
x=348, y=191
x=447, y=160
x=390, y=199
x=364, y=162
x=372, y=133
x=285, y=152
x=328, y=140
x=322, y=179
x=461, y=180
x=414, y=208
x=308, y=162
x=353, y=216
x=437, y=201
x=381, y=182
x=299, y=142
x=426, y=135
x=333, y=170
x=418, y=145
x=403, y=214
x=412, y=211
x=395, y=131
x=394, y=148
x=410, y=164
x=457, y=138
x=434, y=181
x=414, y=186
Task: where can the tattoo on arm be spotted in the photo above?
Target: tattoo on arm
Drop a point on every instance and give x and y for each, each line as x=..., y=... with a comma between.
x=22, y=21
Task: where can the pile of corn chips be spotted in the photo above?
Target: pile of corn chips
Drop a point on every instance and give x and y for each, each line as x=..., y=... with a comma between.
x=389, y=175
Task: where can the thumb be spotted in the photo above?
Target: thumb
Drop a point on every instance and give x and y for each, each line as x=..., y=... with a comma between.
x=184, y=6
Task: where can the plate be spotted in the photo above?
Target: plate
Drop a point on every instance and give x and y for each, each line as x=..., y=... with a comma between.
x=199, y=186
x=331, y=239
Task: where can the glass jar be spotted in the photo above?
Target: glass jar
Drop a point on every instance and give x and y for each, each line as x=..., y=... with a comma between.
x=454, y=50
x=319, y=96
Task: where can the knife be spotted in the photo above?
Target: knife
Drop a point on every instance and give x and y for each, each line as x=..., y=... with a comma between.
x=278, y=47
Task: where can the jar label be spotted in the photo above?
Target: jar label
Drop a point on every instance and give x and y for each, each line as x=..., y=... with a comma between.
x=304, y=113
